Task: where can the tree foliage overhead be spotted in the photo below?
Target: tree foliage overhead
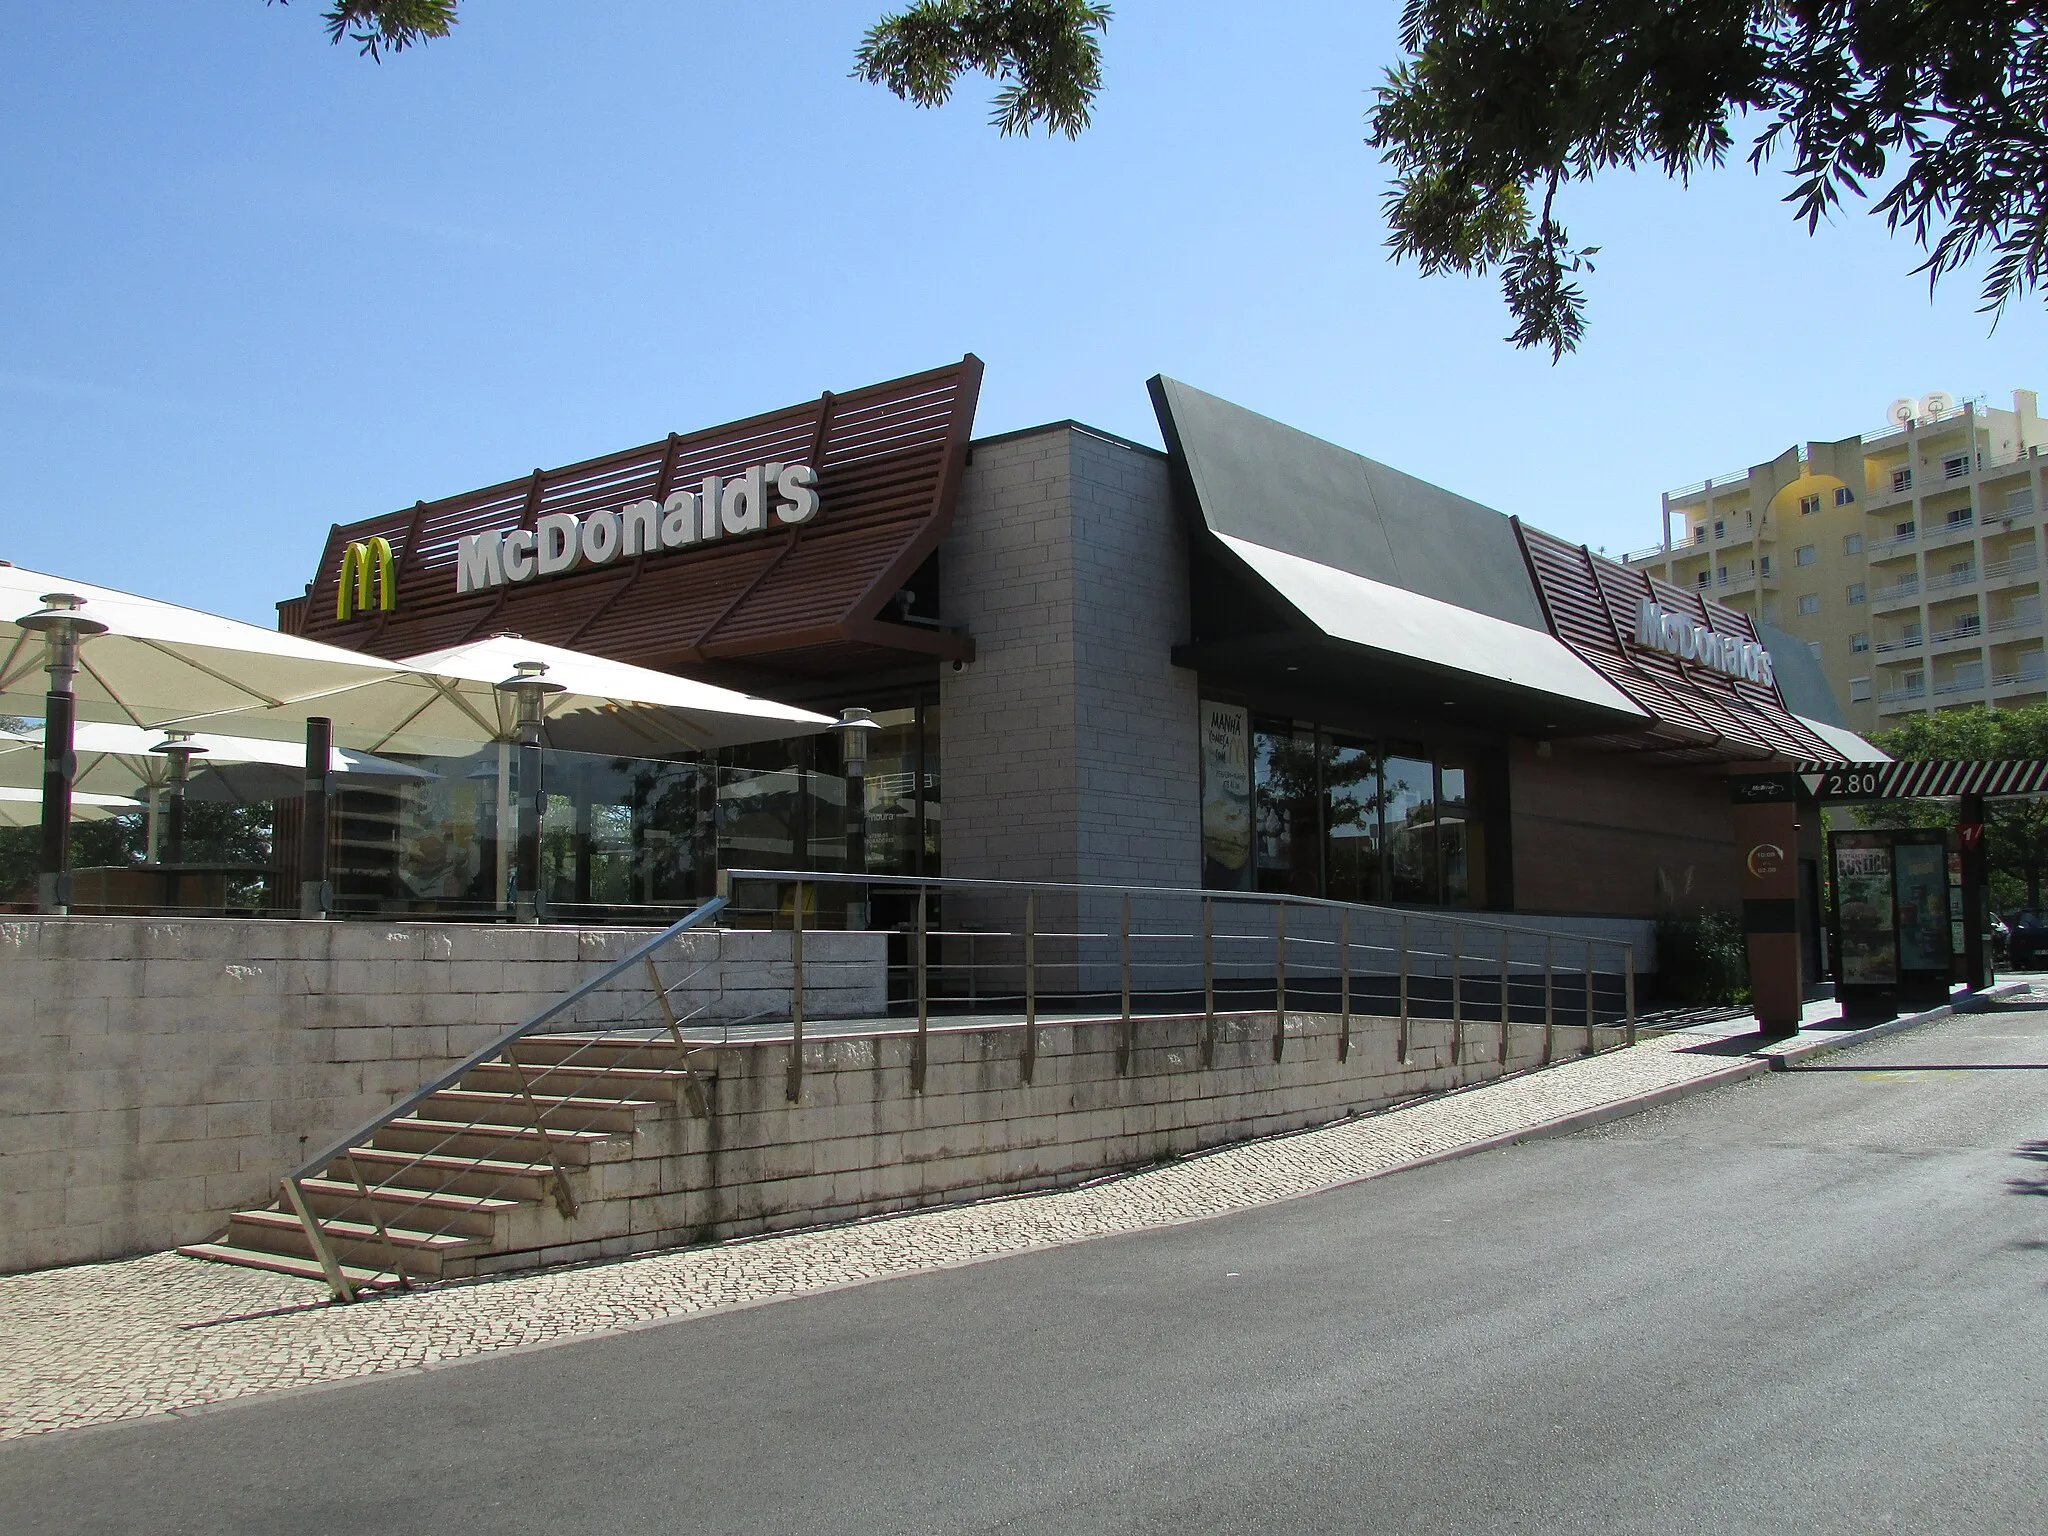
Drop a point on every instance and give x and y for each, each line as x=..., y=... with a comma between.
x=378, y=27
x=1936, y=109
x=1935, y=112
x=1046, y=54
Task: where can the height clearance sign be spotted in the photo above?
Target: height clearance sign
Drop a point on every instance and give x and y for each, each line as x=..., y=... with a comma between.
x=562, y=542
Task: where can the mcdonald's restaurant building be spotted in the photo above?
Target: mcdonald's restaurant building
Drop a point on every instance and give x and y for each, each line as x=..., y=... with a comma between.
x=1252, y=661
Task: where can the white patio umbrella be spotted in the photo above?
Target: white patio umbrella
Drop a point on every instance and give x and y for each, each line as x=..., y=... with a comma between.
x=24, y=807
x=122, y=760
x=159, y=664
x=118, y=657
x=528, y=692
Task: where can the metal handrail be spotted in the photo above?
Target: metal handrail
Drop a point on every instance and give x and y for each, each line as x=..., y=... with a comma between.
x=695, y=918
x=1250, y=898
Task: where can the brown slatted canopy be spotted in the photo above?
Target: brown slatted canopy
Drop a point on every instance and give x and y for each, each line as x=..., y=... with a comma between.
x=808, y=598
x=1701, y=715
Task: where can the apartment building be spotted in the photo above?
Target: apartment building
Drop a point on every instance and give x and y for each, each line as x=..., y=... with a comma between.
x=1908, y=560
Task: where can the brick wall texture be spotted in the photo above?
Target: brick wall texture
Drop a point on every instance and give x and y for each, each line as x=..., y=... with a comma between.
x=1069, y=743
x=157, y=1074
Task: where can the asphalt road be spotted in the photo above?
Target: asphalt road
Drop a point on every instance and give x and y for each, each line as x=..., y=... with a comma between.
x=1815, y=1302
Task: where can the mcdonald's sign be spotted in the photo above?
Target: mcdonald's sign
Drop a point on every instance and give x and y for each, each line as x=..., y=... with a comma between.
x=363, y=565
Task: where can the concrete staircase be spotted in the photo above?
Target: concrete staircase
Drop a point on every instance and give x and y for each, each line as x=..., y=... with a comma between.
x=465, y=1181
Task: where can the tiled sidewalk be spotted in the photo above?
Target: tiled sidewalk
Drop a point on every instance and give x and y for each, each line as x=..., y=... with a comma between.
x=105, y=1342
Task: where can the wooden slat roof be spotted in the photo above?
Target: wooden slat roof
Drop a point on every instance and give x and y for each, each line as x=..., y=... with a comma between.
x=888, y=457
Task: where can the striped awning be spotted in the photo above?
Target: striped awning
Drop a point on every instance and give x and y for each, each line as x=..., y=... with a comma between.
x=1933, y=778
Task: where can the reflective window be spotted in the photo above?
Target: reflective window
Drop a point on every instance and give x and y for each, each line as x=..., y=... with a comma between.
x=1351, y=776
x=1286, y=807
x=1411, y=830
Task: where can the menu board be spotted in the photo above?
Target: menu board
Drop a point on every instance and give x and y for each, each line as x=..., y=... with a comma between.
x=1226, y=796
x=1923, y=907
x=1863, y=910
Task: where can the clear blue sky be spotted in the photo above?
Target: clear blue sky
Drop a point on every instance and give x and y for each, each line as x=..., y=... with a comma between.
x=251, y=285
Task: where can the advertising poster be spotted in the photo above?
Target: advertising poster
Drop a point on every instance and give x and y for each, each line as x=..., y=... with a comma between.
x=438, y=852
x=1923, y=907
x=1863, y=905
x=1226, y=796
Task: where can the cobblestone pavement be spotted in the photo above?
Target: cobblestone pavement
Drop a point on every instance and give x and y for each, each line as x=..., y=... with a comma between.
x=104, y=1342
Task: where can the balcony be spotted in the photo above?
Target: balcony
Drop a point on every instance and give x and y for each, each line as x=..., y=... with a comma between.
x=1884, y=549
x=1654, y=555
x=2018, y=565
x=1893, y=700
x=1900, y=592
x=2032, y=673
x=1939, y=531
x=1971, y=631
x=1963, y=680
x=1966, y=577
x=2025, y=619
x=1901, y=645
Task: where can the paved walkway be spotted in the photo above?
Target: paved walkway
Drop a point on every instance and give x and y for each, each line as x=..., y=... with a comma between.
x=105, y=1342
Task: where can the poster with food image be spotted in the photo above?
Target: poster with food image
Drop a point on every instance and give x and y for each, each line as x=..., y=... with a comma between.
x=1863, y=910
x=1226, y=795
x=1923, y=907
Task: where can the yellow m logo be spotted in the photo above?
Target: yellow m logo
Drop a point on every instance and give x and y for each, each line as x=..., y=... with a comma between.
x=362, y=565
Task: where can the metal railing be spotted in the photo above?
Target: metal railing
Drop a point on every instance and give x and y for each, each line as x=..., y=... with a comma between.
x=1896, y=592
x=506, y=1127
x=1015, y=954
x=430, y=1171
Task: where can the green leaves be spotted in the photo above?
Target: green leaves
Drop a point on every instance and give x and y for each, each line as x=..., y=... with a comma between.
x=1949, y=97
x=380, y=26
x=1047, y=55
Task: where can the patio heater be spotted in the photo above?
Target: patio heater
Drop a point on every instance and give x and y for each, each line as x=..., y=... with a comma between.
x=853, y=728
x=179, y=749
x=62, y=626
x=526, y=693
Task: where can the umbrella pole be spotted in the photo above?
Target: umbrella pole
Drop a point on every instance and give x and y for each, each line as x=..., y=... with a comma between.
x=53, y=876
x=155, y=810
x=507, y=828
x=315, y=892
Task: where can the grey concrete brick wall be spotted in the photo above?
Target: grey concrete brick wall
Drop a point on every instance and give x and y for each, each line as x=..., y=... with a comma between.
x=156, y=1074
x=1069, y=745
x=859, y=1142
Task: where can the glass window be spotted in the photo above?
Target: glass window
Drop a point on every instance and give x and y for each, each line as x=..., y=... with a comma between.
x=892, y=822
x=1808, y=505
x=1844, y=496
x=1720, y=527
x=1856, y=593
x=1806, y=554
x=1859, y=642
x=1286, y=806
x=1410, y=796
x=1351, y=778
x=1852, y=543
x=1902, y=479
x=1809, y=602
x=1813, y=649
x=1461, y=835
x=1859, y=690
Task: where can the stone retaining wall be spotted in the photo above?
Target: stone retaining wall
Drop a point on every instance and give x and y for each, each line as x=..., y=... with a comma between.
x=156, y=1074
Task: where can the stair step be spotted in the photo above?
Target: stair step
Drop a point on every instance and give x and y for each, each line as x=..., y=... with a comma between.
x=567, y=1110
x=352, y=1241
x=282, y=1264
x=471, y=1215
x=657, y=1051
x=441, y=1172
x=415, y=1133
x=581, y=1081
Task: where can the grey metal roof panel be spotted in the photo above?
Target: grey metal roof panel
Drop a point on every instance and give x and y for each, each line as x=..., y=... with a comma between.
x=1801, y=682
x=1257, y=479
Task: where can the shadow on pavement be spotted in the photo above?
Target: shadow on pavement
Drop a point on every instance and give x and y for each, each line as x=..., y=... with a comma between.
x=2035, y=1152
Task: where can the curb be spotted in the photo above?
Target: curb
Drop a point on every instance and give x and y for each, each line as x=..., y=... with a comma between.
x=1565, y=1125
x=1782, y=1058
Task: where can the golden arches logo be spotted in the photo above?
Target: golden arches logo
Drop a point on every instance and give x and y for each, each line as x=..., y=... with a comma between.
x=366, y=565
